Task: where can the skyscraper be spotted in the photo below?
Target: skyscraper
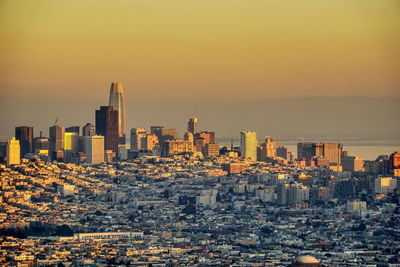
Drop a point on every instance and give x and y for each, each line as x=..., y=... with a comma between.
x=267, y=150
x=118, y=103
x=25, y=136
x=192, y=125
x=72, y=129
x=94, y=149
x=13, y=152
x=107, y=126
x=88, y=130
x=248, y=145
x=56, y=136
x=136, y=138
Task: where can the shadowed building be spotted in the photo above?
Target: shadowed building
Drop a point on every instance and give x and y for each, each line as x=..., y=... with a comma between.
x=25, y=136
x=136, y=138
x=118, y=103
x=88, y=130
x=72, y=129
x=192, y=125
x=56, y=138
x=164, y=135
x=107, y=126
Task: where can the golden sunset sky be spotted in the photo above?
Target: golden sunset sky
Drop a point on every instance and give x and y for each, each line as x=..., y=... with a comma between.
x=239, y=49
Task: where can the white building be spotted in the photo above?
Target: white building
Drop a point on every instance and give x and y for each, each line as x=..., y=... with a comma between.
x=13, y=152
x=248, y=145
x=95, y=149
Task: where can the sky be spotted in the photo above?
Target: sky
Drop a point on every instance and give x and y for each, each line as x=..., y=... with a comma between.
x=186, y=50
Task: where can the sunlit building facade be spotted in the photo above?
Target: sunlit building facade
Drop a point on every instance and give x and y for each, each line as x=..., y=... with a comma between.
x=248, y=145
x=118, y=103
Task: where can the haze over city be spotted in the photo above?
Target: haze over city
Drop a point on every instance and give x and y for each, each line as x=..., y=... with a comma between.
x=212, y=57
x=200, y=133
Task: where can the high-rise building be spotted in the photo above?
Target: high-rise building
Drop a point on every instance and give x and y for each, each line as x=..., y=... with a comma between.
x=56, y=136
x=174, y=147
x=25, y=136
x=267, y=150
x=136, y=138
x=330, y=151
x=248, y=145
x=210, y=150
x=192, y=125
x=205, y=137
x=118, y=103
x=94, y=149
x=88, y=130
x=71, y=141
x=164, y=134
x=41, y=143
x=107, y=126
x=149, y=142
x=385, y=185
x=13, y=152
x=352, y=164
x=72, y=129
x=282, y=152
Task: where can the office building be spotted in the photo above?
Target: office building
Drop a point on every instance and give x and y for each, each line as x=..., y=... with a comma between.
x=267, y=150
x=330, y=151
x=136, y=138
x=385, y=185
x=94, y=149
x=149, y=142
x=233, y=168
x=164, y=134
x=282, y=152
x=118, y=103
x=72, y=129
x=209, y=137
x=71, y=142
x=56, y=137
x=13, y=152
x=107, y=126
x=41, y=144
x=174, y=147
x=192, y=125
x=352, y=164
x=88, y=130
x=210, y=150
x=25, y=136
x=248, y=145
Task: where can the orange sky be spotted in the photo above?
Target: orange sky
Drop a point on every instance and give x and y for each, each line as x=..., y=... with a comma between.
x=200, y=48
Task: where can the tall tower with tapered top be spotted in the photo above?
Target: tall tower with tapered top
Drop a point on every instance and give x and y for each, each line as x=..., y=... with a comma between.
x=117, y=102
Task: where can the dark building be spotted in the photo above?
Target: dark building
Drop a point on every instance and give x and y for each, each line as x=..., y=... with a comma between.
x=72, y=129
x=25, y=136
x=56, y=138
x=107, y=126
x=88, y=130
x=41, y=143
x=164, y=134
x=192, y=125
x=282, y=152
